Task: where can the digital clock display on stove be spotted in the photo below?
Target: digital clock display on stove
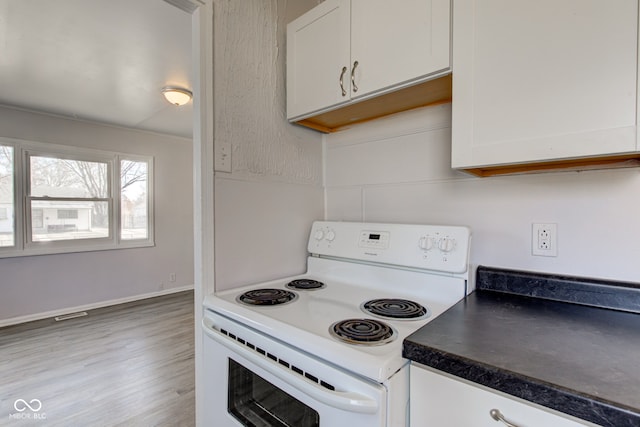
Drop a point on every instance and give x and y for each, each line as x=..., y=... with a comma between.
x=374, y=239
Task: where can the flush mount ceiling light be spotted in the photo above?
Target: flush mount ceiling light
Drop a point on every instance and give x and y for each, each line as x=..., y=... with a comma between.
x=176, y=95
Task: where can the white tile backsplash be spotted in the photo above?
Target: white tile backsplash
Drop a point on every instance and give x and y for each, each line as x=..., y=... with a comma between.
x=597, y=212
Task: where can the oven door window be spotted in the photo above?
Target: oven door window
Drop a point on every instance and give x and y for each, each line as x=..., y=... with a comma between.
x=258, y=403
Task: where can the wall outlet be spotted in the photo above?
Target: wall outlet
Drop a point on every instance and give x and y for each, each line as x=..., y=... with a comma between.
x=222, y=157
x=172, y=277
x=544, y=239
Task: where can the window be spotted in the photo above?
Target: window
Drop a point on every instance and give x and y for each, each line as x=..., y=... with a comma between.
x=7, y=204
x=68, y=199
x=134, y=200
x=73, y=195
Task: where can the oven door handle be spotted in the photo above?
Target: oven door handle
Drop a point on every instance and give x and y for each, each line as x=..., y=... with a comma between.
x=347, y=401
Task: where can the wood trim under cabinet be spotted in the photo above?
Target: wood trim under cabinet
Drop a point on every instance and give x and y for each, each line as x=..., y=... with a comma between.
x=590, y=163
x=431, y=92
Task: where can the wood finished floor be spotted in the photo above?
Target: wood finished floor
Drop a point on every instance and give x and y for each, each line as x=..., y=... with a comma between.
x=128, y=366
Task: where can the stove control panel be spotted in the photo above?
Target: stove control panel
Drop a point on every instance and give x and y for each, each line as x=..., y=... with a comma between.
x=374, y=239
x=430, y=247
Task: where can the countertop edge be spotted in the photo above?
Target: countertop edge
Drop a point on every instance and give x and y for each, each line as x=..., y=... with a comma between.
x=588, y=408
x=608, y=294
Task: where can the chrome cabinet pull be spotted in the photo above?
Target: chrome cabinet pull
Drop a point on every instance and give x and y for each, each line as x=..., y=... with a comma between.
x=354, y=87
x=497, y=415
x=344, y=70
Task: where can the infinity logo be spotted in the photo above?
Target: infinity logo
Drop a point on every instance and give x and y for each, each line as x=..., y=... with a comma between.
x=21, y=405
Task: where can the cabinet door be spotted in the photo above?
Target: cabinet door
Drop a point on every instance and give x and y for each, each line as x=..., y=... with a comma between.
x=317, y=51
x=441, y=401
x=543, y=80
x=398, y=42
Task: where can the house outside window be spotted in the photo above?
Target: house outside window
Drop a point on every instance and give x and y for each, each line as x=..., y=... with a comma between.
x=67, y=213
x=73, y=199
x=61, y=185
x=37, y=218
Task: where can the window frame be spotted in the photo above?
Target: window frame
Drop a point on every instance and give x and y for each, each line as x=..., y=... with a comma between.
x=28, y=198
x=16, y=209
x=24, y=245
x=150, y=202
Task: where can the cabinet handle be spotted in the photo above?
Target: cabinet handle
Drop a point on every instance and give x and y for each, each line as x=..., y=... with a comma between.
x=354, y=87
x=497, y=415
x=344, y=70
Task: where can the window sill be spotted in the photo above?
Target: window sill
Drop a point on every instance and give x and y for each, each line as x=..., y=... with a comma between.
x=50, y=250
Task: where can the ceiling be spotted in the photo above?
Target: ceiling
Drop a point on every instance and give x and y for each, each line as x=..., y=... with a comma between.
x=98, y=60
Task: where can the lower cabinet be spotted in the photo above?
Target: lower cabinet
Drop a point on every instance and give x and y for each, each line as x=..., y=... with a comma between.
x=441, y=400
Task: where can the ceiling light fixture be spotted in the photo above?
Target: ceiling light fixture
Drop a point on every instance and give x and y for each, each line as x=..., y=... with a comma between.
x=177, y=95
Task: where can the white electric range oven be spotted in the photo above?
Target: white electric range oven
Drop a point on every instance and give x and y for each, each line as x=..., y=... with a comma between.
x=324, y=349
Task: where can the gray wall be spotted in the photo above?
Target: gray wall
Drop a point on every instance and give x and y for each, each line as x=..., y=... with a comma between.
x=32, y=287
x=265, y=206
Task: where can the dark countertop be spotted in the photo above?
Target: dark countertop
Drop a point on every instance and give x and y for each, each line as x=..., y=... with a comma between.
x=575, y=357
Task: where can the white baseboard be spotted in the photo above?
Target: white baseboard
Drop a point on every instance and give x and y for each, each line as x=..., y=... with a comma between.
x=87, y=307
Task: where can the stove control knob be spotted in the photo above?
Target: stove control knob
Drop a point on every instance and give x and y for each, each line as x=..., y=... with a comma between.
x=331, y=235
x=446, y=244
x=319, y=234
x=425, y=243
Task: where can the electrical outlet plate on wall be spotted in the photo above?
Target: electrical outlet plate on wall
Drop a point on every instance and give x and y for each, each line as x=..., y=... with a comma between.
x=544, y=239
x=222, y=157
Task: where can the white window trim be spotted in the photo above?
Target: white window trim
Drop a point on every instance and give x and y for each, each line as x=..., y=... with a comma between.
x=22, y=227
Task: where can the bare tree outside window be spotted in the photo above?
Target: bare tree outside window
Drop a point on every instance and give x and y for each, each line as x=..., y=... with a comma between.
x=134, y=203
x=60, y=184
x=93, y=178
x=83, y=186
x=56, y=199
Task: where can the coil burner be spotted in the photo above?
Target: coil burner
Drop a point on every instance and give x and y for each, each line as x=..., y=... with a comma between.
x=305, y=284
x=362, y=331
x=393, y=308
x=267, y=296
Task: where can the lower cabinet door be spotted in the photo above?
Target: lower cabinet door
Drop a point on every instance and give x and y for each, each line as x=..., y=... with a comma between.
x=440, y=400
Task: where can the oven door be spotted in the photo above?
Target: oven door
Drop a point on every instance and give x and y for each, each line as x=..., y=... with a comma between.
x=251, y=380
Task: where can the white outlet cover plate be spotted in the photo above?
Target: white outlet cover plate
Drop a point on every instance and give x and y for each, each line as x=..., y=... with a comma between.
x=552, y=229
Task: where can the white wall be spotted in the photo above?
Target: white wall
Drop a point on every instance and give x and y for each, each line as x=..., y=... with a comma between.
x=265, y=206
x=397, y=170
x=47, y=284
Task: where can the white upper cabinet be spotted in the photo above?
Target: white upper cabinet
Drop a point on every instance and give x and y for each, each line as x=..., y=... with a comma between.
x=540, y=81
x=397, y=42
x=318, y=58
x=347, y=50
